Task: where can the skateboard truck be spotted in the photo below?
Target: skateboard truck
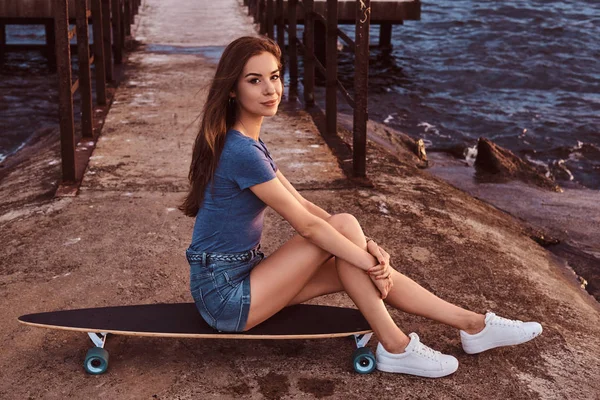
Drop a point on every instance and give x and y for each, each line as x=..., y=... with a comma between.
x=362, y=340
x=99, y=339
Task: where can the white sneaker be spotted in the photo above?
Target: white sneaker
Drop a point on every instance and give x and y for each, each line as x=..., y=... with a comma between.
x=417, y=359
x=499, y=332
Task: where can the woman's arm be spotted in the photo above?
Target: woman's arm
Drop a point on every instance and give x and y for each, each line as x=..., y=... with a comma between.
x=313, y=228
x=311, y=207
x=316, y=210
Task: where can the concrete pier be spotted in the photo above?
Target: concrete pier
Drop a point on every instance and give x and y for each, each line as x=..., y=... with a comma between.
x=122, y=241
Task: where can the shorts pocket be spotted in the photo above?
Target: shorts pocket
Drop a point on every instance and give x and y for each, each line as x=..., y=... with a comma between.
x=201, y=306
x=224, y=285
x=209, y=303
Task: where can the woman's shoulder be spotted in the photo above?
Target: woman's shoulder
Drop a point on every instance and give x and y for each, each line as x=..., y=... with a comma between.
x=238, y=144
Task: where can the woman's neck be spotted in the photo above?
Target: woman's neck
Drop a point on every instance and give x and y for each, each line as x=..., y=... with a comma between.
x=249, y=125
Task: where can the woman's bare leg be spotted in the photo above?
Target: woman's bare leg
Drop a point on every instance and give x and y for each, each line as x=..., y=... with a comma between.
x=277, y=280
x=409, y=296
x=405, y=295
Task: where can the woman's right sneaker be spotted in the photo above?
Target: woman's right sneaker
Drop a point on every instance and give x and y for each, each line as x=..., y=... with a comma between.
x=499, y=332
x=417, y=359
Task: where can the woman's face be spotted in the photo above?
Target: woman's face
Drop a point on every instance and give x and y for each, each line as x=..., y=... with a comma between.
x=259, y=87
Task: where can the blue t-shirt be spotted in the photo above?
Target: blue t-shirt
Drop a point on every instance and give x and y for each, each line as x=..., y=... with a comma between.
x=230, y=219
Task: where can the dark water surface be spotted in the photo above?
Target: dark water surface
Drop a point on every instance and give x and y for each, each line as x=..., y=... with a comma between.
x=28, y=91
x=525, y=74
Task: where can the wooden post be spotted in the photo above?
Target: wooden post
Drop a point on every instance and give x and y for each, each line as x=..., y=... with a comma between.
x=117, y=36
x=65, y=104
x=50, y=44
x=361, y=86
x=83, y=56
x=107, y=39
x=99, y=64
x=261, y=16
x=319, y=47
x=3, y=41
x=385, y=35
x=270, y=19
x=331, y=67
x=123, y=20
x=309, y=53
x=293, y=46
x=131, y=13
x=280, y=27
x=127, y=16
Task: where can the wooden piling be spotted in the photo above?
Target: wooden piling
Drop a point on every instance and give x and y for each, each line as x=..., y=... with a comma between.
x=50, y=44
x=107, y=40
x=361, y=87
x=270, y=19
x=292, y=41
x=385, y=35
x=280, y=27
x=2, y=41
x=117, y=32
x=65, y=106
x=260, y=16
x=331, y=67
x=127, y=17
x=85, y=81
x=309, y=53
x=99, y=63
x=253, y=10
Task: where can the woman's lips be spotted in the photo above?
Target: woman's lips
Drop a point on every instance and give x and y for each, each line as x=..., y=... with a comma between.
x=269, y=103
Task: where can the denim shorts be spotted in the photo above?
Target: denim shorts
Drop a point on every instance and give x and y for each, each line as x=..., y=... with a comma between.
x=220, y=286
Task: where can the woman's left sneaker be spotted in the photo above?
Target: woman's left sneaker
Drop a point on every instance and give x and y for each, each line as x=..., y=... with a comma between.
x=499, y=332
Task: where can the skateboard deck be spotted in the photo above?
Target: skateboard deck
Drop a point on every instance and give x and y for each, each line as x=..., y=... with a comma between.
x=301, y=321
x=182, y=320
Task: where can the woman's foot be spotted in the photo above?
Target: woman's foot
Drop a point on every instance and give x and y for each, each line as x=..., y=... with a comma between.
x=499, y=332
x=417, y=359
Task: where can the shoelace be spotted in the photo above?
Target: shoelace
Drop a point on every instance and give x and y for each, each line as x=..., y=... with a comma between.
x=427, y=352
x=496, y=320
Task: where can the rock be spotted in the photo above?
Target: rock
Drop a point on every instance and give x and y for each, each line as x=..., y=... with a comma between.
x=421, y=150
x=398, y=143
x=499, y=164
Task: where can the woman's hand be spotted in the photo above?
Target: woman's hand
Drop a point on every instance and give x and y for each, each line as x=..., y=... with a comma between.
x=380, y=274
x=383, y=285
x=383, y=269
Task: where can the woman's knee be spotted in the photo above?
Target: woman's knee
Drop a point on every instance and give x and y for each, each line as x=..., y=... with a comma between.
x=346, y=224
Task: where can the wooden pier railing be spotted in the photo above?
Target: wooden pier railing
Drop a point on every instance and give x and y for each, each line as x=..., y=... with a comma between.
x=321, y=19
x=111, y=21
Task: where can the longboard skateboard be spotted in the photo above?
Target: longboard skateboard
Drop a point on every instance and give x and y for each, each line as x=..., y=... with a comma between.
x=182, y=320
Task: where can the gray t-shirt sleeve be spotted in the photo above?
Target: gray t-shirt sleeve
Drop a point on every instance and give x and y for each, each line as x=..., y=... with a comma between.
x=251, y=166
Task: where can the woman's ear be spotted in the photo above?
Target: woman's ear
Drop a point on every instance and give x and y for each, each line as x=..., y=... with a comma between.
x=232, y=94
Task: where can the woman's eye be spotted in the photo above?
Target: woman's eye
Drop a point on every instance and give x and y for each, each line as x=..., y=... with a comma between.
x=255, y=80
x=275, y=77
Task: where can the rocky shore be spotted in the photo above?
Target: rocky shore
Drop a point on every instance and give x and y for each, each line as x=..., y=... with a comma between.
x=563, y=220
x=121, y=241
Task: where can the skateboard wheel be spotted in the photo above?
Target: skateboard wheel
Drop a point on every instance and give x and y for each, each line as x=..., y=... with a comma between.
x=96, y=361
x=363, y=361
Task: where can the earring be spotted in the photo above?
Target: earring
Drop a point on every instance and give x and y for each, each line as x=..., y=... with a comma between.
x=231, y=101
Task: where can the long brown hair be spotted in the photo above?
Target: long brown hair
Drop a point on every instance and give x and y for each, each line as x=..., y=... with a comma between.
x=219, y=114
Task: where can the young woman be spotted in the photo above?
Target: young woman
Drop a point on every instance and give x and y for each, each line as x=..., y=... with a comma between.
x=233, y=178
